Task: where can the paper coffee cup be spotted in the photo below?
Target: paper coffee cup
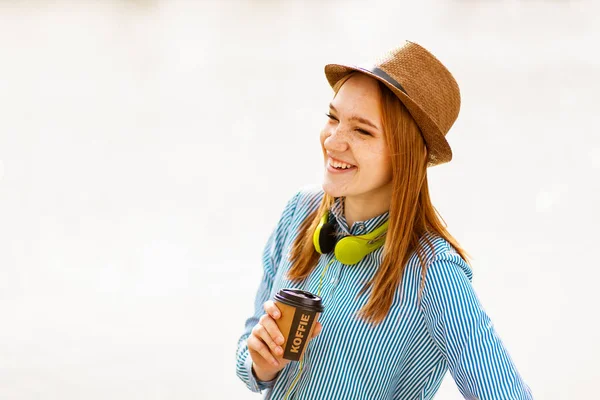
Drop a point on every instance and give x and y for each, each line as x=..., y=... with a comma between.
x=299, y=312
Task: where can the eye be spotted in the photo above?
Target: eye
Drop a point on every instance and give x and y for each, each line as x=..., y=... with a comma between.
x=363, y=132
x=331, y=117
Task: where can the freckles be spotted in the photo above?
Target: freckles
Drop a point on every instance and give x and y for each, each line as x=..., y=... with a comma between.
x=372, y=149
x=380, y=149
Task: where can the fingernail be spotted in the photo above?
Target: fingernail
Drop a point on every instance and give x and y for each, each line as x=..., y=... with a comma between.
x=280, y=340
x=279, y=350
x=275, y=363
x=276, y=314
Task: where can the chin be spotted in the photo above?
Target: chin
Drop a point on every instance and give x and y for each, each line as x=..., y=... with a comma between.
x=333, y=190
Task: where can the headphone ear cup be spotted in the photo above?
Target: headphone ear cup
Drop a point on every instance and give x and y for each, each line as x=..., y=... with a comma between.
x=327, y=238
x=350, y=250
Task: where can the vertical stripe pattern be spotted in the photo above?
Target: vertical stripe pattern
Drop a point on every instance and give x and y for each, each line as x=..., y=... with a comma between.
x=408, y=354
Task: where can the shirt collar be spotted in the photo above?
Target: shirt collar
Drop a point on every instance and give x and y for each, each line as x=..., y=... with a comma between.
x=359, y=227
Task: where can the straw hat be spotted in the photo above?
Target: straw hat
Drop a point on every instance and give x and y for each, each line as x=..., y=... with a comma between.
x=425, y=87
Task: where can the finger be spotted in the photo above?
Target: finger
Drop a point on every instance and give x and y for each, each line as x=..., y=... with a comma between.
x=272, y=329
x=272, y=309
x=317, y=330
x=260, y=331
x=257, y=345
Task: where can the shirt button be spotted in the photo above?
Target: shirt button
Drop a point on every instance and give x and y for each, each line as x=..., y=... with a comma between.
x=333, y=281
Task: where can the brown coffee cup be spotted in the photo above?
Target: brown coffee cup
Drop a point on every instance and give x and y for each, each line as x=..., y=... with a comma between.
x=299, y=312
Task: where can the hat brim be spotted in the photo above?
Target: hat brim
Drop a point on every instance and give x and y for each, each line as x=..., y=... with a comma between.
x=438, y=149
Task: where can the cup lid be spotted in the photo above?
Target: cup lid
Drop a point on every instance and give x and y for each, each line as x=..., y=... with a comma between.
x=300, y=298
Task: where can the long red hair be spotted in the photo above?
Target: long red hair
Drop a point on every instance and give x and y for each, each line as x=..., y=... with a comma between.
x=411, y=213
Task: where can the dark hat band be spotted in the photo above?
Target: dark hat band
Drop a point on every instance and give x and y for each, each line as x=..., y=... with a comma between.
x=383, y=75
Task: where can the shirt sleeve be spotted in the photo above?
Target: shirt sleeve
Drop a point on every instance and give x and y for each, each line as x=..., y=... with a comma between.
x=464, y=333
x=272, y=254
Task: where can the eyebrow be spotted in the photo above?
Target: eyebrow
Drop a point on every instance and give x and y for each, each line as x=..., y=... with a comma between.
x=357, y=118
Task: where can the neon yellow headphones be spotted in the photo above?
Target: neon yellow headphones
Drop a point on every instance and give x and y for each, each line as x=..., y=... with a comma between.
x=350, y=249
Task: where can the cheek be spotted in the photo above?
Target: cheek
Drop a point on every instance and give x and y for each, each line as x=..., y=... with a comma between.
x=379, y=165
x=388, y=169
x=384, y=169
x=386, y=162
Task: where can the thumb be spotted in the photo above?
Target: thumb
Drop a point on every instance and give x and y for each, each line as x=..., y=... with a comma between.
x=317, y=330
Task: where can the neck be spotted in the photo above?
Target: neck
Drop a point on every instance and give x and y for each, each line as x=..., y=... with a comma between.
x=364, y=207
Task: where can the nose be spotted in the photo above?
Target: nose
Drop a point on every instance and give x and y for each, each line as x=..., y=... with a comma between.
x=335, y=140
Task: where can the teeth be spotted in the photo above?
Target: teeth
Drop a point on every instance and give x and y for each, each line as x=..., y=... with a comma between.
x=340, y=164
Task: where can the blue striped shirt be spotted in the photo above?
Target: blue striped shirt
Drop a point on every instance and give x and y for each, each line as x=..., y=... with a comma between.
x=404, y=357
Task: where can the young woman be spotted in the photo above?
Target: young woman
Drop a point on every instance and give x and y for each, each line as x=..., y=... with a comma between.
x=400, y=316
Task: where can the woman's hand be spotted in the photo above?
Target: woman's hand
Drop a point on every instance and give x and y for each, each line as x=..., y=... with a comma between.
x=265, y=344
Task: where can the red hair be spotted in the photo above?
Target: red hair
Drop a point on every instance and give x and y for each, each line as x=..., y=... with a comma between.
x=411, y=213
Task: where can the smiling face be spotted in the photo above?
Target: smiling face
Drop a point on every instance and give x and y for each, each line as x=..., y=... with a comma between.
x=353, y=141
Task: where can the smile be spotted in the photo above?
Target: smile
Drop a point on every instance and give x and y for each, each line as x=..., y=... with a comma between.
x=338, y=166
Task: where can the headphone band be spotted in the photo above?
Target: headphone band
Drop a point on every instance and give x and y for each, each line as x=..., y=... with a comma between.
x=350, y=249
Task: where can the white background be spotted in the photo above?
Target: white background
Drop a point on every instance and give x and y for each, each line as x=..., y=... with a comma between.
x=147, y=149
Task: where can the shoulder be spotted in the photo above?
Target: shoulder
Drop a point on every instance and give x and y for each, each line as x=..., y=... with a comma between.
x=305, y=200
x=442, y=257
